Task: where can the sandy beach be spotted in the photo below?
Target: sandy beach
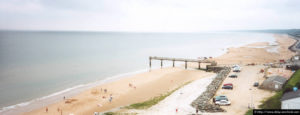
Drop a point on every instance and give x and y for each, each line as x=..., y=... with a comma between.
x=143, y=86
x=147, y=85
x=259, y=53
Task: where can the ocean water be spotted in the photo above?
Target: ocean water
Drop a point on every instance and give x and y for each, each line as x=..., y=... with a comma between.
x=40, y=65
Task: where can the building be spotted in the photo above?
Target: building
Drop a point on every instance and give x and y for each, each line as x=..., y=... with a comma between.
x=291, y=100
x=273, y=83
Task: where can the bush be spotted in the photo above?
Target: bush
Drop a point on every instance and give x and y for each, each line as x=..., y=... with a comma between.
x=249, y=112
x=109, y=113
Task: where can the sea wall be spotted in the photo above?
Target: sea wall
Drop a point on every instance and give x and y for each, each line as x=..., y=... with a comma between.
x=202, y=102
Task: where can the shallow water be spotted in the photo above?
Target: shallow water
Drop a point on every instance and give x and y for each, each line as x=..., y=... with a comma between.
x=37, y=64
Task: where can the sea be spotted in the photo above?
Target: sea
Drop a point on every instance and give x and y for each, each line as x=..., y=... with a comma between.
x=40, y=67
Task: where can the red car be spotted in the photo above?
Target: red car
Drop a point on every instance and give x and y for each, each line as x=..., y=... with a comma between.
x=228, y=84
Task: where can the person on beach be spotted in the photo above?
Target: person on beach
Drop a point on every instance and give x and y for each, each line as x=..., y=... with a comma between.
x=105, y=90
x=64, y=98
x=130, y=85
x=110, y=98
x=57, y=109
x=197, y=110
x=47, y=109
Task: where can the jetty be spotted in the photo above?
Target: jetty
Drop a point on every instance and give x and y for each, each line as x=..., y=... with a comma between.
x=199, y=61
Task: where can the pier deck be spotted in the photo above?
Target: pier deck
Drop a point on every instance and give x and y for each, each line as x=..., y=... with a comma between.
x=180, y=59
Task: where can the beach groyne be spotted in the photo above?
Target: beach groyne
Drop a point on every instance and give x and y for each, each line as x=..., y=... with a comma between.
x=203, y=101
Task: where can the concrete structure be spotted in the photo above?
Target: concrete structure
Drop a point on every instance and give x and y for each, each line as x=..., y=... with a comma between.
x=273, y=83
x=212, y=63
x=291, y=100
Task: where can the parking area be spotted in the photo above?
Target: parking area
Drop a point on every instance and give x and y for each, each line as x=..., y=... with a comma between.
x=244, y=94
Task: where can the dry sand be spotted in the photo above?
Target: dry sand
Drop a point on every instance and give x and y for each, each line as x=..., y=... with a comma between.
x=148, y=85
x=181, y=100
x=258, y=52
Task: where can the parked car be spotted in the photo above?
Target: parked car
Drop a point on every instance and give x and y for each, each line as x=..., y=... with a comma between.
x=233, y=76
x=227, y=87
x=256, y=84
x=219, y=98
x=228, y=84
x=223, y=102
x=234, y=66
x=236, y=70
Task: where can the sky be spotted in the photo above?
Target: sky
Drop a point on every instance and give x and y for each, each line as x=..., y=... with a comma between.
x=149, y=15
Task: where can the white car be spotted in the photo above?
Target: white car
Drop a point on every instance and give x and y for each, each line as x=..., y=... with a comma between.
x=223, y=102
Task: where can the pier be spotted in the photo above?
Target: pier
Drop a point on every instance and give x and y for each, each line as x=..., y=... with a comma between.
x=181, y=60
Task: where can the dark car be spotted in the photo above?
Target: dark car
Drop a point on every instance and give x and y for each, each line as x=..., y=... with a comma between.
x=256, y=84
x=227, y=87
x=233, y=76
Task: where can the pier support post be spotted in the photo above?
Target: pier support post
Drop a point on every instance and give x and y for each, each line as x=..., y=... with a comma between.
x=150, y=62
x=173, y=63
x=185, y=64
x=199, y=65
x=161, y=63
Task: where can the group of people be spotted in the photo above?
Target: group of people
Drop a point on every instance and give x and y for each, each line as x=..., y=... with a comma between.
x=130, y=85
x=58, y=110
x=105, y=91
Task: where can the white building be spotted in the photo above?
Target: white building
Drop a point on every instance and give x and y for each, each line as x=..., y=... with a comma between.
x=291, y=100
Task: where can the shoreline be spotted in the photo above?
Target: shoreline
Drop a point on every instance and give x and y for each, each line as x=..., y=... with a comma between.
x=57, y=96
x=148, y=85
x=104, y=82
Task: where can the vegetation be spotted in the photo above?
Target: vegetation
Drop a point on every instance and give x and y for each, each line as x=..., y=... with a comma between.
x=109, y=113
x=153, y=101
x=293, y=81
x=274, y=101
x=115, y=113
x=249, y=112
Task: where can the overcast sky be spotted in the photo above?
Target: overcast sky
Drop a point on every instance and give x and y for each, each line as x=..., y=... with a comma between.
x=149, y=15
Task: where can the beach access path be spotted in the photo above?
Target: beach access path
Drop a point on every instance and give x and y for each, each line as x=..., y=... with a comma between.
x=180, y=100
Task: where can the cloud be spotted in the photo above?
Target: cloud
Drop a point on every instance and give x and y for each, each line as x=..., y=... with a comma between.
x=149, y=15
x=17, y=6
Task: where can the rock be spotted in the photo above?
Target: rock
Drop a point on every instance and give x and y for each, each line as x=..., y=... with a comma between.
x=202, y=102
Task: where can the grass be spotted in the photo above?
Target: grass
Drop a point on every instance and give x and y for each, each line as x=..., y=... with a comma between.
x=115, y=113
x=249, y=112
x=274, y=101
x=153, y=101
x=109, y=113
x=293, y=81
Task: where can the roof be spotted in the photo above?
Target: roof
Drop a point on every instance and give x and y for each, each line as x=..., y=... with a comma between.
x=290, y=95
x=278, y=79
